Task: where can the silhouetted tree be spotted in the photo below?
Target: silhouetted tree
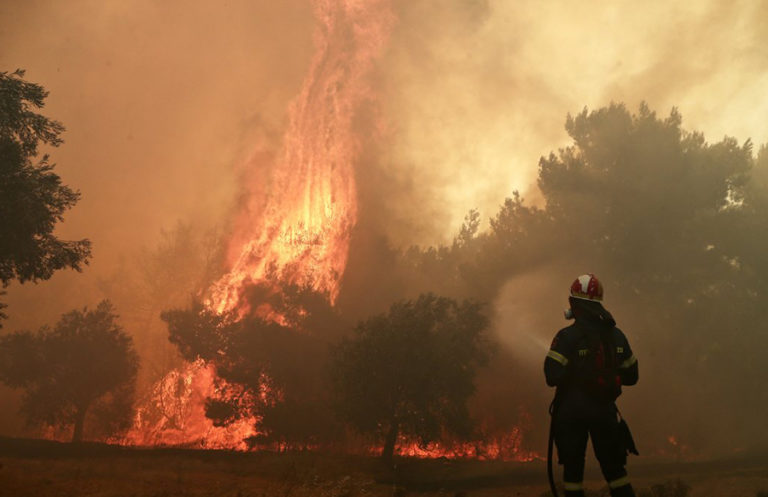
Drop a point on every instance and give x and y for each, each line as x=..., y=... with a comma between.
x=411, y=371
x=85, y=363
x=32, y=197
x=673, y=225
x=275, y=361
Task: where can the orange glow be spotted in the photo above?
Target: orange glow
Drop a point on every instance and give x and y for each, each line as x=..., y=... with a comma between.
x=299, y=232
x=677, y=448
x=295, y=224
x=506, y=447
x=672, y=440
x=175, y=413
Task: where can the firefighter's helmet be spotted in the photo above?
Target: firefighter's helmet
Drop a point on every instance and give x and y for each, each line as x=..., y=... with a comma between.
x=587, y=287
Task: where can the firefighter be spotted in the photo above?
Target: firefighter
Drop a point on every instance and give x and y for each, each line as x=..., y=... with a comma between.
x=589, y=362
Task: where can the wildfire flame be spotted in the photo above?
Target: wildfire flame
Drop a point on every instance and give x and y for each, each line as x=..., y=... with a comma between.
x=299, y=233
x=175, y=414
x=503, y=447
x=297, y=229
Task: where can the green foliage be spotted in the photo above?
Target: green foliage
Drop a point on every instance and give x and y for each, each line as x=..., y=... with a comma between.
x=32, y=197
x=469, y=228
x=631, y=181
x=412, y=370
x=85, y=364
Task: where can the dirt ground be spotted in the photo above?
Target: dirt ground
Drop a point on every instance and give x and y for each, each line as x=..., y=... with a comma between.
x=44, y=469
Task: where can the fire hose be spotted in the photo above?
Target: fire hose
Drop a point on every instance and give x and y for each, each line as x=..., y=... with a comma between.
x=552, y=410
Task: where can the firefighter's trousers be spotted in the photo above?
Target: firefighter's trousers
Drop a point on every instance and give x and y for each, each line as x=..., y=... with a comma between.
x=573, y=425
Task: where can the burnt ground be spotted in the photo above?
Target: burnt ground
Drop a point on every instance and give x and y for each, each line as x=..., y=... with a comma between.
x=43, y=468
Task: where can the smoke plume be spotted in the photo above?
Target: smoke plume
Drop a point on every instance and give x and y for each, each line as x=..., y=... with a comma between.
x=167, y=104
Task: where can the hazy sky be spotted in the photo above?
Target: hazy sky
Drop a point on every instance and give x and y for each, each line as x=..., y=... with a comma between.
x=480, y=91
x=163, y=101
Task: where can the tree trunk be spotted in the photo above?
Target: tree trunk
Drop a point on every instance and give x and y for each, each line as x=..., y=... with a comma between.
x=77, y=436
x=389, y=444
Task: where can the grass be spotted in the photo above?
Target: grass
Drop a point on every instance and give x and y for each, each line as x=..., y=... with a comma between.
x=46, y=469
x=671, y=488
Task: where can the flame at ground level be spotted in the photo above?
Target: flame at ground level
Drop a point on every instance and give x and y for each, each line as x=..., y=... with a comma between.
x=295, y=221
x=175, y=413
x=504, y=447
x=174, y=416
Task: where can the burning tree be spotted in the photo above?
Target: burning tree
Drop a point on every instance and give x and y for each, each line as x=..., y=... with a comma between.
x=272, y=367
x=292, y=231
x=410, y=372
x=85, y=364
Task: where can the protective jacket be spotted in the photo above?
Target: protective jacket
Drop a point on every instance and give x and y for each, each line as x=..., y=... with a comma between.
x=590, y=359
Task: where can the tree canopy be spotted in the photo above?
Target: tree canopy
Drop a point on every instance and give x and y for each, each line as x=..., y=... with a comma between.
x=275, y=369
x=85, y=364
x=672, y=224
x=411, y=371
x=32, y=197
x=675, y=228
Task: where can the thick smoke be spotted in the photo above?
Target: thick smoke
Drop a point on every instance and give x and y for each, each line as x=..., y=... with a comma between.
x=163, y=103
x=472, y=94
x=476, y=91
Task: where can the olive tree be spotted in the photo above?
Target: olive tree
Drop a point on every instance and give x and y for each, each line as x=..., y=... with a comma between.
x=411, y=370
x=85, y=362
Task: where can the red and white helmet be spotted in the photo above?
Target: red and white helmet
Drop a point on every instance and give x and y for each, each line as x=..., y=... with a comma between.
x=587, y=287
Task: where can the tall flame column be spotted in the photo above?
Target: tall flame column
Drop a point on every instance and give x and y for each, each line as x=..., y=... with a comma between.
x=299, y=233
x=296, y=228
